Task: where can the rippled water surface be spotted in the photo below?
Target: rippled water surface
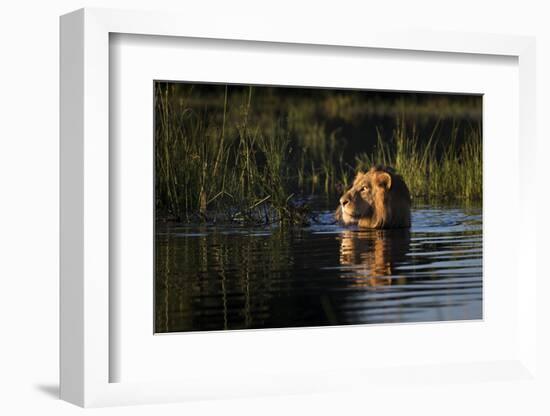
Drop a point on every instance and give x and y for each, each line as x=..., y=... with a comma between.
x=231, y=277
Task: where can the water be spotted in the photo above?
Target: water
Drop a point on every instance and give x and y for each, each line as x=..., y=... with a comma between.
x=232, y=277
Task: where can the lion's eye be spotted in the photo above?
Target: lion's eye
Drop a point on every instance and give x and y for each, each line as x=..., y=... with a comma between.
x=364, y=188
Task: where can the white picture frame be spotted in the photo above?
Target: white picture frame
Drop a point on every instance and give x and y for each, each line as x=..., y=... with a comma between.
x=85, y=354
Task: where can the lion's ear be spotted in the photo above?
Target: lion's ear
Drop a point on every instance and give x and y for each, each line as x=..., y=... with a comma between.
x=383, y=180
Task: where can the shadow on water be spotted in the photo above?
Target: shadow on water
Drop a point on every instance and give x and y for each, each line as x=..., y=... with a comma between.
x=232, y=277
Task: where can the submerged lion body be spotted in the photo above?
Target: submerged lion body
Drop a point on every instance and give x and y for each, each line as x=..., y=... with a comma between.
x=378, y=198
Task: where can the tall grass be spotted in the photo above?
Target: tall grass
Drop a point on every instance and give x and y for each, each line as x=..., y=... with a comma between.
x=236, y=166
x=438, y=169
x=202, y=174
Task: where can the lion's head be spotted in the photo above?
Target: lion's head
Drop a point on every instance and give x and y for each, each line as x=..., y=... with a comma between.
x=378, y=198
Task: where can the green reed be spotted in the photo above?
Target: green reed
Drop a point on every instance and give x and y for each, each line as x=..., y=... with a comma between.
x=230, y=162
x=202, y=173
x=436, y=169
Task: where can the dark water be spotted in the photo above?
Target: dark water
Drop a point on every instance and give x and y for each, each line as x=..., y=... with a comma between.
x=231, y=277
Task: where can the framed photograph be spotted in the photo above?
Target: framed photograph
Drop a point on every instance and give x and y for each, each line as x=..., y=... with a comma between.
x=279, y=207
x=275, y=212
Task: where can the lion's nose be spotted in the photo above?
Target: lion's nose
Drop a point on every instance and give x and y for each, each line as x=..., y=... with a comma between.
x=344, y=201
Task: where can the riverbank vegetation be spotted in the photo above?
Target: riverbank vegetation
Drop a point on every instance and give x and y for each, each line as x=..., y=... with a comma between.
x=255, y=154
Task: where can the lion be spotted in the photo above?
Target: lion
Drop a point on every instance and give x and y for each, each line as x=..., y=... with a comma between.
x=378, y=198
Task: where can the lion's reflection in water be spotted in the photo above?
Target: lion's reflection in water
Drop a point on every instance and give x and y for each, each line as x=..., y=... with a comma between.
x=370, y=257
